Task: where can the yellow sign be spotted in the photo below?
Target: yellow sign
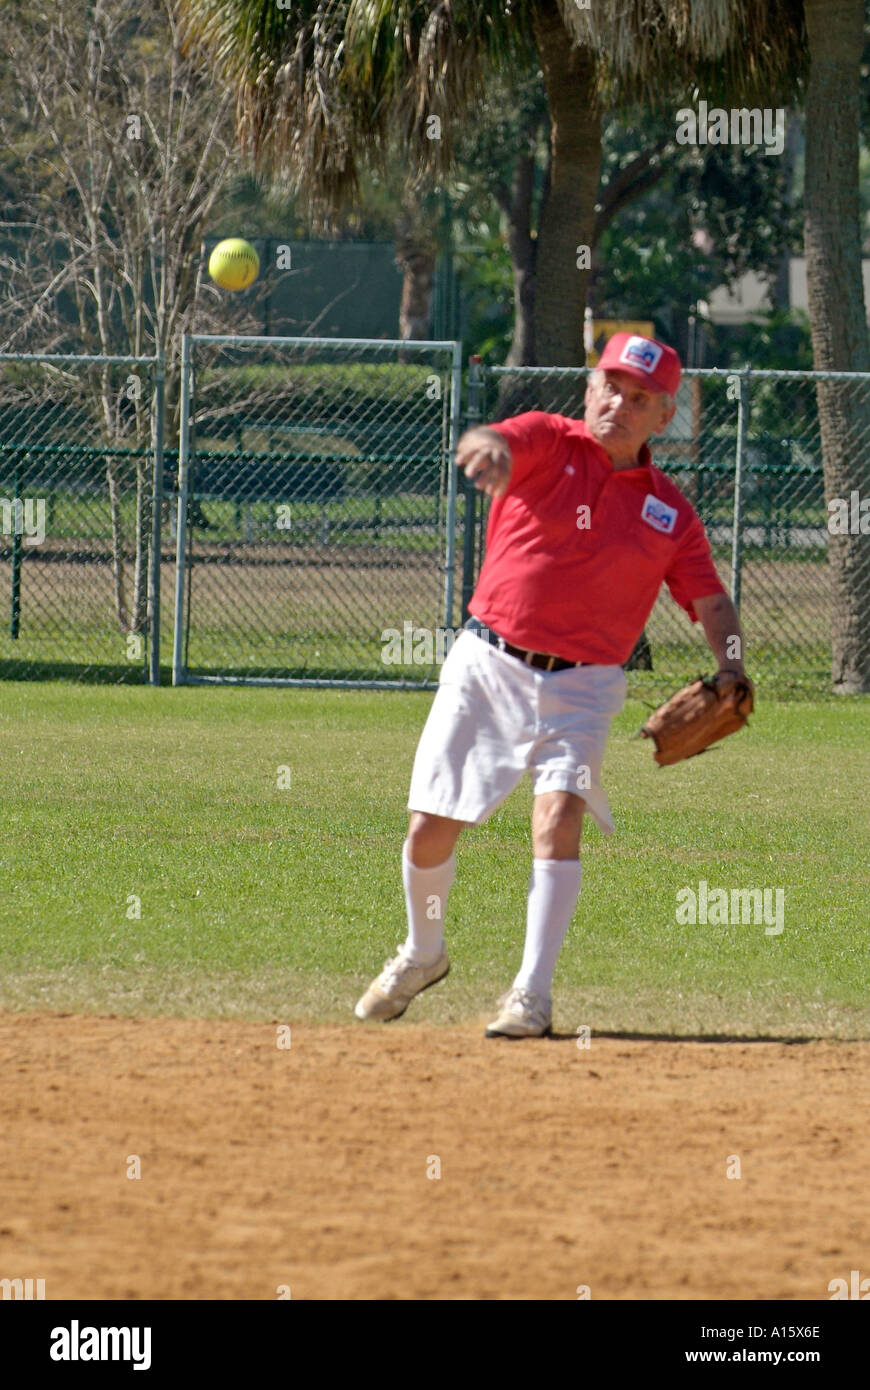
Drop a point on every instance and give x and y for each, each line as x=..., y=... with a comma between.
x=602, y=329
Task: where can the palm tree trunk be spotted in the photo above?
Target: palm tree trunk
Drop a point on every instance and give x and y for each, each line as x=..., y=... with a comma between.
x=568, y=216
x=838, y=319
x=418, y=277
x=416, y=251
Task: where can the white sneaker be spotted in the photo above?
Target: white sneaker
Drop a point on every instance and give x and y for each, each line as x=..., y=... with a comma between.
x=521, y=1015
x=400, y=980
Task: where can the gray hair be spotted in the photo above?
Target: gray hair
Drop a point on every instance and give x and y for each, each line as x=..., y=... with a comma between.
x=596, y=376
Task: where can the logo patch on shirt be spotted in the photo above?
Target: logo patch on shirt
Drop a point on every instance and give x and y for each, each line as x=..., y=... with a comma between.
x=640, y=352
x=658, y=514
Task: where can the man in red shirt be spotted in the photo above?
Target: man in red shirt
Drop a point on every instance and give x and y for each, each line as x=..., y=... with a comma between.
x=583, y=531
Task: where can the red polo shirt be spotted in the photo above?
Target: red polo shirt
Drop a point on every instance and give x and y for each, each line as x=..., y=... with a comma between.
x=576, y=550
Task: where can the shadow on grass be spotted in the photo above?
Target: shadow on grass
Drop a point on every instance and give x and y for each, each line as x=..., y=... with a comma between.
x=425, y=679
x=82, y=671
x=89, y=673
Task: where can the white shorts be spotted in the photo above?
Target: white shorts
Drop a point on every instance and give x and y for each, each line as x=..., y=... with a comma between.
x=494, y=718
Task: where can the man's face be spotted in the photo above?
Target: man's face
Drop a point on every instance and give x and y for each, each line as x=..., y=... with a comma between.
x=622, y=414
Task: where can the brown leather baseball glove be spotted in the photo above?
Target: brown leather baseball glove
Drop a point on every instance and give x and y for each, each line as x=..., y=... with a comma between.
x=700, y=714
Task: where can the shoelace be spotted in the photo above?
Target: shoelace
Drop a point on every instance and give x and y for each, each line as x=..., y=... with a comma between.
x=526, y=1000
x=393, y=969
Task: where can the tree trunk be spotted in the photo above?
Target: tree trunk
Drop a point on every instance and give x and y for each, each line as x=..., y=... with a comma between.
x=118, y=576
x=641, y=658
x=780, y=292
x=416, y=250
x=143, y=546
x=523, y=246
x=568, y=216
x=832, y=241
x=522, y=348
x=418, y=271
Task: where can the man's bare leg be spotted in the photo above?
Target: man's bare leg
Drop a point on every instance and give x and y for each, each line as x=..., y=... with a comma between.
x=431, y=839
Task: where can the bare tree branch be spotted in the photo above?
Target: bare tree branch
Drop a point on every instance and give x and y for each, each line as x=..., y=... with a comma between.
x=123, y=149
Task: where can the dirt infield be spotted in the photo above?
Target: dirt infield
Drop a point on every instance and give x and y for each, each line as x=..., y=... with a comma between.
x=315, y=1166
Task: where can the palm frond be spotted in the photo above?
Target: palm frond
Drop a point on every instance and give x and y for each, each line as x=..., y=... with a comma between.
x=292, y=110
x=652, y=52
x=419, y=66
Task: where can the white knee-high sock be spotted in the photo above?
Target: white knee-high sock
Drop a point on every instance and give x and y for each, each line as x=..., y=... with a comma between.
x=426, y=893
x=554, y=888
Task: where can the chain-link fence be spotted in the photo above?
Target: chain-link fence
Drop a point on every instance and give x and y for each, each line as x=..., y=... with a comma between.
x=745, y=447
x=326, y=537
x=316, y=509
x=336, y=289
x=80, y=452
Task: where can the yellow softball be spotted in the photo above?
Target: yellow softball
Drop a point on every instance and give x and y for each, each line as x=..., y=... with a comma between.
x=234, y=264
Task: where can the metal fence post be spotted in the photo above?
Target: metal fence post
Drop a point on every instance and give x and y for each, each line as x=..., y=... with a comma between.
x=737, y=525
x=452, y=441
x=181, y=522
x=473, y=416
x=15, y=614
x=159, y=405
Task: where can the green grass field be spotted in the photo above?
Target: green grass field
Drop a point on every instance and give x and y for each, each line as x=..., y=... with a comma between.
x=260, y=901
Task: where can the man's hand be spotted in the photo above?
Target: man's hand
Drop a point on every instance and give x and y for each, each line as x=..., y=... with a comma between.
x=485, y=458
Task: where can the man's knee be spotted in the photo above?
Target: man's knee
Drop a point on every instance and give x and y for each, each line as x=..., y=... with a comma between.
x=431, y=839
x=557, y=824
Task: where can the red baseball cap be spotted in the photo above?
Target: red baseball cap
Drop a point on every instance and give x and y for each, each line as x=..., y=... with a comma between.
x=653, y=363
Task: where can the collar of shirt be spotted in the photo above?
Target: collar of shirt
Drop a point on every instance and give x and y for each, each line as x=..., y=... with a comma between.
x=645, y=455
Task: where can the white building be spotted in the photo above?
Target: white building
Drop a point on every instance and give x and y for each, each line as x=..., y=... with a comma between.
x=750, y=298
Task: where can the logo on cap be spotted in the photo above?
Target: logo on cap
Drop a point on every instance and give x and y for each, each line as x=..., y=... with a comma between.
x=640, y=352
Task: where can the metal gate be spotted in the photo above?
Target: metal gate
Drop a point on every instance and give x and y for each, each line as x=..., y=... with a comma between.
x=316, y=516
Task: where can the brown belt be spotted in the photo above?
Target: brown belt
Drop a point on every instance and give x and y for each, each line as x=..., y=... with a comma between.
x=542, y=661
